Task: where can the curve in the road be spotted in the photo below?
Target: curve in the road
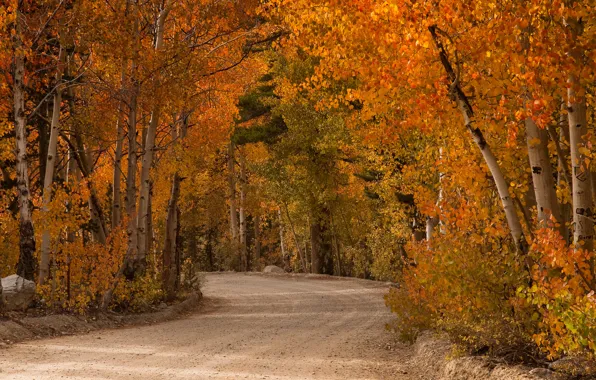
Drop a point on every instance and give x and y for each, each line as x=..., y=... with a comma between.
x=250, y=327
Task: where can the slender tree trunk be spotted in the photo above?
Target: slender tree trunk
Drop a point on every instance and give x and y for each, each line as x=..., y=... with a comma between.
x=117, y=176
x=431, y=223
x=257, y=238
x=209, y=249
x=80, y=155
x=169, y=251
x=282, y=244
x=232, y=190
x=44, y=268
x=547, y=204
x=583, y=212
x=467, y=112
x=243, y=229
x=71, y=174
x=178, y=252
x=309, y=257
x=582, y=176
x=1, y=297
x=564, y=153
x=44, y=138
x=300, y=252
x=149, y=222
x=542, y=175
x=148, y=153
x=322, y=255
x=335, y=246
x=131, y=182
x=145, y=189
x=26, y=264
x=127, y=267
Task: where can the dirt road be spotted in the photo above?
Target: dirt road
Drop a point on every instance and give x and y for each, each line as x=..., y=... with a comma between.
x=250, y=327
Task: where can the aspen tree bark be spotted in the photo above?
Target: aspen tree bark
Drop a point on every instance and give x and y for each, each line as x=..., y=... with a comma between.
x=465, y=107
x=582, y=176
x=542, y=175
x=170, y=272
x=322, y=255
x=80, y=155
x=243, y=232
x=26, y=264
x=117, y=176
x=300, y=252
x=564, y=175
x=232, y=190
x=583, y=214
x=431, y=223
x=335, y=246
x=44, y=267
x=169, y=251
x=126, y=268
x=71, y=173
x=147, y=160
x=257, y=237
x=282, y=244
x=563, y=171
x=315, y=244
x=131, y=180
x=149, y=222
x=547, y=204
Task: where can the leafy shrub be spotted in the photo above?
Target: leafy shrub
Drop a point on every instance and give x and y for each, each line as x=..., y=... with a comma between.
x=563, y=293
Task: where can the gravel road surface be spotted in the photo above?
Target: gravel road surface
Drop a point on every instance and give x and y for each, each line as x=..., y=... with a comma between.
x=249, y=327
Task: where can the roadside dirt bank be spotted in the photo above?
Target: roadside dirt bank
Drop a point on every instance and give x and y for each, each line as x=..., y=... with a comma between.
x=15, y=328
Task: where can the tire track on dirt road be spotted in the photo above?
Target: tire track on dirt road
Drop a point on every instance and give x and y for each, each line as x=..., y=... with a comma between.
x=250, y=327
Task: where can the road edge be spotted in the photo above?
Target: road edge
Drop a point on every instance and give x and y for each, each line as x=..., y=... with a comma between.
x=15, y=330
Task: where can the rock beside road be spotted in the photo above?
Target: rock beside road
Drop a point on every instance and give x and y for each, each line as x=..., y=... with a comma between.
x=273, y=269
x=18, y=292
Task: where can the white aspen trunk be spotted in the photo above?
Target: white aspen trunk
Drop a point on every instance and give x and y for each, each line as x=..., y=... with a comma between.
x=147, y=160
x=581, y=176
x=26, y=264
x=547, y=203
x=145, y=184
x=502, y=186
x=232, y=189
x=282, y=244
x=243, y=239
x=44, y=268
x=463, y=104
x=126, y=267
x=116, y=185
